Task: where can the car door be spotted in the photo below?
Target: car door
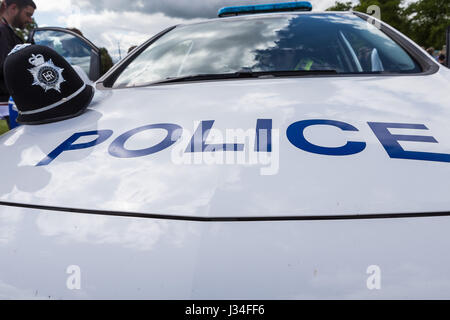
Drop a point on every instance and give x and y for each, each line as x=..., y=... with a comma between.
x=78, y=50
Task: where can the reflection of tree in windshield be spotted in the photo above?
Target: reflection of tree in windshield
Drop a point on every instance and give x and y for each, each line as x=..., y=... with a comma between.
x=236, y=45
x=306, y=44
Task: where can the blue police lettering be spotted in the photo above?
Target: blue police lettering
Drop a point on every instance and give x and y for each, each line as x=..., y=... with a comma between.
x=395, y=150
x=263, y=140
x=117, y=147
x=198, y=141
x=295, y=134
x=101, y=136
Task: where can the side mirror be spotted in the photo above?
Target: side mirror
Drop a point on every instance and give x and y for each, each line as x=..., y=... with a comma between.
x=77, y=50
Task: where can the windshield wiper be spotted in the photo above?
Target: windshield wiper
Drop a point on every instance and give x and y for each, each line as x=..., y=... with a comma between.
x=246, y=74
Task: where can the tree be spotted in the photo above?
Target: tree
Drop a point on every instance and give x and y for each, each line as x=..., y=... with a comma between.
x=429, y=20
x=424, y=21
x=107, y=62
x=341, y=6
x=391, y=11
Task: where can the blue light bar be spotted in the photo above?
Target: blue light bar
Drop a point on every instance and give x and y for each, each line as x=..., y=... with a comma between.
x=263, y=8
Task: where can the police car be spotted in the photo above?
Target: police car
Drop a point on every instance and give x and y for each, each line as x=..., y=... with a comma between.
x=259, y=155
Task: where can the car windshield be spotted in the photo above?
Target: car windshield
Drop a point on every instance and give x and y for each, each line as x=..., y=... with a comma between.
x=342, y=43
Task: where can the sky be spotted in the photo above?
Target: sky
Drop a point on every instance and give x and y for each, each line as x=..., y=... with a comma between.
x=124, y=23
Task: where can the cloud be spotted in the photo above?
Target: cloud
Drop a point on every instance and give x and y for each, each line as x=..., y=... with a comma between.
x=122, y=23
x=184, y=9
x=107, y=28
x=111, y=28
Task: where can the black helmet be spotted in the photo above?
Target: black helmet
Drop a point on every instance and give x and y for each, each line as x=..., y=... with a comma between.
x=44, y=85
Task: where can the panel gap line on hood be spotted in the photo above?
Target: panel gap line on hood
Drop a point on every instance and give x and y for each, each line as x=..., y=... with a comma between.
x=228, y=219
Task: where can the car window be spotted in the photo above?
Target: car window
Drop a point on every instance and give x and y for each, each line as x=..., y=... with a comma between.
x=375, y=51
x=341, y=42
x=70, y=47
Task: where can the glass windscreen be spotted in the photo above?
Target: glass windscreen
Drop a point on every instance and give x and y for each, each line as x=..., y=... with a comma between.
x=343, y=43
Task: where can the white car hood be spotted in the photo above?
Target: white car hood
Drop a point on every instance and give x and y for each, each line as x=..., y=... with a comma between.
x=305, y=184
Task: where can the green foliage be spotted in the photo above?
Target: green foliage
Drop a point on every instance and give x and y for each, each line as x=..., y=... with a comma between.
x=341, y=6
x=391, y=12
x=3, y=126
x=107, y=62
x=424, y=21
x=429, y=20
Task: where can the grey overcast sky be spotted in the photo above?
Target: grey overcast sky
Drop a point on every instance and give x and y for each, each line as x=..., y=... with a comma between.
x=123, y=23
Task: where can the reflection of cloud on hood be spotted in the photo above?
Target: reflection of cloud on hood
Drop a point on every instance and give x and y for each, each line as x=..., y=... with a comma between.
x=9, y=219
x=10, y=292
x=139, y=235
x=136, y=234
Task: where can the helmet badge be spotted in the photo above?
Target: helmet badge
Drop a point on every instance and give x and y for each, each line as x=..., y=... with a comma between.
x=45, y=74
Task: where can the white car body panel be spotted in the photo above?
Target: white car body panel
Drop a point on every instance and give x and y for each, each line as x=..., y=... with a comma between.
x=176, y=242
x=367, y=182
x=130, y=258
